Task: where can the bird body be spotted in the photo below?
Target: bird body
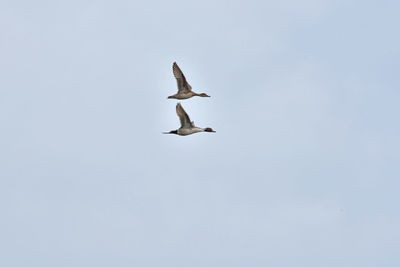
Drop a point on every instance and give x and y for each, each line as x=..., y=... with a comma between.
x=187, y=131
x=184, y=88
x=187, y=126
x=185, y=95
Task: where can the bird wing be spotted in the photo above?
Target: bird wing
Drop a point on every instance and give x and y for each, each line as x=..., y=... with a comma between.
x=183, y=117
x=183, y=85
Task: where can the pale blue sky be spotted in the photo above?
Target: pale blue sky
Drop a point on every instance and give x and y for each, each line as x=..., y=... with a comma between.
x=303, y=170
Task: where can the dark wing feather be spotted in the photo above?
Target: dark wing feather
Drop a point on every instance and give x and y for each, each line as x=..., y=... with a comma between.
x=183, y=85
x=183, y=116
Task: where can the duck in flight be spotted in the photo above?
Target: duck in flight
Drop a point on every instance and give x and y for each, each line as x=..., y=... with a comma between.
x=184, y=88
x=187, y=126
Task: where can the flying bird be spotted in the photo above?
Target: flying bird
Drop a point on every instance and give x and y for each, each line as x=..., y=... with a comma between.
x=187, y=126
x=184, y=88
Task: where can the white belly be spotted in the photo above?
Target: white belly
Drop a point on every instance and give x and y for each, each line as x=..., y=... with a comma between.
x=187, y=131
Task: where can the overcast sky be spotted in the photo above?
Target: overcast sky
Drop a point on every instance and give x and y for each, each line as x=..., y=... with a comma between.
x=303, y=170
